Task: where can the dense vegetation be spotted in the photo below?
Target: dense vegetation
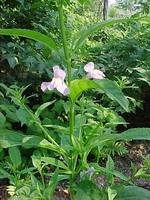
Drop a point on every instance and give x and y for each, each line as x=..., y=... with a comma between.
x=50, y=130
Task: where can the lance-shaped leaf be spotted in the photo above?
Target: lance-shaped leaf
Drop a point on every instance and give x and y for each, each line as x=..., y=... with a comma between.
x=31, y=141
x=132, y=193
x=128, y=135
x=34, y=35
x=42, y=107
x=104, y=85
x=54, y=162
x=10, y=138
x=95, y=27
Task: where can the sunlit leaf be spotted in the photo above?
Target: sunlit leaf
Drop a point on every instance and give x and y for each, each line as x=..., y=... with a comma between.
x=54, y=161
x=111, y=193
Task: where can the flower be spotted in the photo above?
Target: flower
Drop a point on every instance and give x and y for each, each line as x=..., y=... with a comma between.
x=57, y=82
x=93, y=73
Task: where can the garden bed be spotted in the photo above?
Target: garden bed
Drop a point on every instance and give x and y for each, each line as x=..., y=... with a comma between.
x=137, y=150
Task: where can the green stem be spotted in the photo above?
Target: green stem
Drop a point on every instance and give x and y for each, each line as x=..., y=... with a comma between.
x=64, y=41
x=68, y=63
x=72, y=154
x=46, y=134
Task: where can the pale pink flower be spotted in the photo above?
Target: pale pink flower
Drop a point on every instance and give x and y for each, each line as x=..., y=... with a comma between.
x=93, y=73
x=57, y=82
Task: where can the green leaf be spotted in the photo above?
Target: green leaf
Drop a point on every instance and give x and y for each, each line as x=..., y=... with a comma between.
x=83, y=2
x=95, y=27
x=54, y=161
x=33, y=35
x=104, y=85
x=13, y=61
x=23, y=116
x=113, y=92
x=107, y=171
x=15, y=156
x=79, y=86
x=36, y=161
x=1, y=94
x=136, y=134
x=89, y=191
x=5, y=174
x=36, y=184
x=42, y=107
x=131, y=134
x=110, y=166
x=21, y=1
x=35, y=141
x=49, y=191
x=2, y=120
x=10, y=138
x=111, y=194
x=132, y=193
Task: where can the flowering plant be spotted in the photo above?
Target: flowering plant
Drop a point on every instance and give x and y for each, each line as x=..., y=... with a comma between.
x=71, y=151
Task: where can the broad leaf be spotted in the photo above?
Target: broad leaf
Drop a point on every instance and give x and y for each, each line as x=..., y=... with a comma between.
x=33, y=35
x=87, y=190
x=132, y=193
x=23, y=116
x=104, y=85
x=15, y=156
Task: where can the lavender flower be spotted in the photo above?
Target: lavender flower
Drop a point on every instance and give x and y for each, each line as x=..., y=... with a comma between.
x=93, y=73
x=57, y=82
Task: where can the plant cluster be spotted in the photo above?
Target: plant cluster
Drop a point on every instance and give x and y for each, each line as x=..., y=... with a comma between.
x=49, y=135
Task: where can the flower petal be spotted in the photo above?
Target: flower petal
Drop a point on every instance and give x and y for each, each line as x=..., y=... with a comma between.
x=44, y=86
x=97, y=74
x=54, y=83
x=89, y=67
x=59, y=73
x=62, y=88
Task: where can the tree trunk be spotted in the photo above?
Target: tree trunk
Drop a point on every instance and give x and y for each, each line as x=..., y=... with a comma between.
x=105, y=9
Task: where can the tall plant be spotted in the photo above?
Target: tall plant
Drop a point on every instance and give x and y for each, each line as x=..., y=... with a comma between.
x=75, y=145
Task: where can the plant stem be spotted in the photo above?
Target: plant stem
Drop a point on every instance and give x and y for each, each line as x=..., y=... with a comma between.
x=72, y=154
x=64, y=41
x=46, y=134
